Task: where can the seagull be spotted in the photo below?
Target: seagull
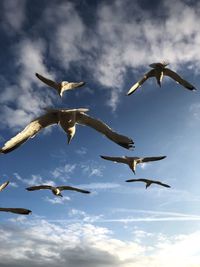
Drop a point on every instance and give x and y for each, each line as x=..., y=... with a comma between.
x=16, y=210
x=61, y=87
x=148, y=182
x=3, y=185
x=67, y=119
x=132, y=161
x=56, y=190
x=158, y=71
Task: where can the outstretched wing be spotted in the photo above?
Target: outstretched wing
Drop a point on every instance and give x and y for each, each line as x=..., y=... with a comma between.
x=101, y=127
x=48, y=81
x=16, y=210
x=137, y=180
x=73, y=189
x=30, y=131
x=72, y=85
x=115, y=159
x=147, y=75
x=147, y=159
x=38, y=187
x=4, y=185
x=178, y=79
x=162, y=184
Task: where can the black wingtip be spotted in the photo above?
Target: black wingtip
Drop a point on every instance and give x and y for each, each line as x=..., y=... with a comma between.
x=127, y=145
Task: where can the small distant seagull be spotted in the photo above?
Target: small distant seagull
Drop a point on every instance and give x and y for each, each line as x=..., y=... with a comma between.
x=61, y=87
x=16, y=210
x=158, y=71
x=56, y=190
x=67, y=119
x=3, y=185
x=132, y=161
x=148, y=182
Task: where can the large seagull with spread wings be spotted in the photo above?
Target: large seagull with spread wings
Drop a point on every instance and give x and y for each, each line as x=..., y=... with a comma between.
x=67, y=119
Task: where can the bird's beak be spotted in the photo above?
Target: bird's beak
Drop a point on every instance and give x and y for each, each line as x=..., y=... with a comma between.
x=69, y=138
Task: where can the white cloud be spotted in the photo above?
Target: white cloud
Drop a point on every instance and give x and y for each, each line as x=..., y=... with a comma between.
x=82, y=151
x=35, y=179
x=63, y=172
x=58, y=200
x=27, y=101
x=92, y=168
x=41, y=243
x=80, y=215
x=100, y=185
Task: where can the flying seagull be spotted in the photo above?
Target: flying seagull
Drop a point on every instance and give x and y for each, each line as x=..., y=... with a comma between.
x=158, y=71
x=3, y=185
x=132, y=161
x=16, y=210
x=148, y=182
x=67, y=119
x=56, y=190
x=61, y=87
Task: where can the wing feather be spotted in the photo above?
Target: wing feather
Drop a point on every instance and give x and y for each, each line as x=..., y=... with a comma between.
x=30, y=131
x=16, y=210
x=38, y=187
x=178, y=79
x=147, y=75
x=147, y=159
x=4, y=185
x=64, y=187
x=115, y=159
x=101, y=127
x=48, y=81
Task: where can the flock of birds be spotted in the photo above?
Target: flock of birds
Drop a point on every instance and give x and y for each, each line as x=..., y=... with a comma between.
x=68, y=118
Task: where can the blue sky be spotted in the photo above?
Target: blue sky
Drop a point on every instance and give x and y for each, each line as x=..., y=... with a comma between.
x=109, y=45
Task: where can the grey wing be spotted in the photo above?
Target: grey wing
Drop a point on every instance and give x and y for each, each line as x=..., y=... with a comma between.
x=38, y=187
x=72, y=85
x=147, y=75
x=30, y=131
x=147, y=159
x=4, y=185
x=162, y=184
x=137, y=180
x=48, y=81
x=132, y=180
x=101, y=127
x=178, y=79
x=115, y=159
x=16, y=210
x=73, y=189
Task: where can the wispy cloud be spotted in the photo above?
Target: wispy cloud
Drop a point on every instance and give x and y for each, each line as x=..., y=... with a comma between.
x=58, y=200
x=34, y=180
x=63, y=172
x=14, y=15
x=92, y=168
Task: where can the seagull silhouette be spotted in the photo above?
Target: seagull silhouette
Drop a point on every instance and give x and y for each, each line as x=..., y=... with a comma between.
x=61, y=87
x=67, y=119
x=16, y=210
x=56, y=190
x=3, y=185
x=148, y=182
x=158, y=71
x=132, y=161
